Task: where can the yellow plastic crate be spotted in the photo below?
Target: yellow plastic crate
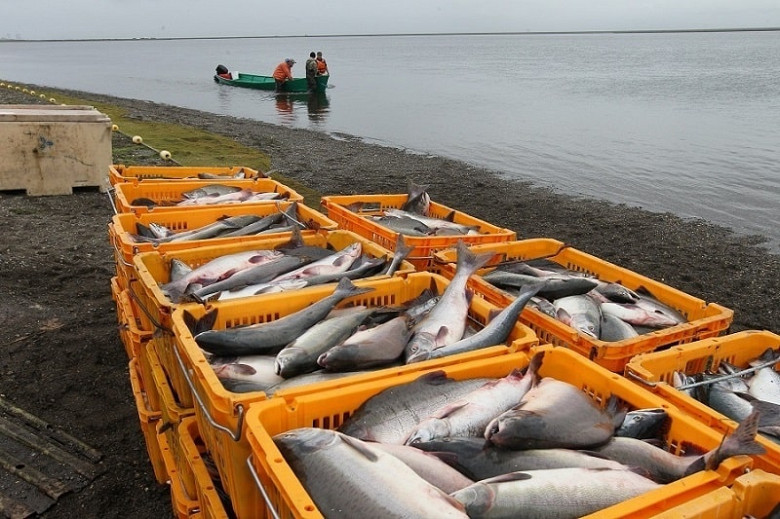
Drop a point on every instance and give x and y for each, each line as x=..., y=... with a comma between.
x=421, y=256
x=703, y=319
x=149, y=418
x=130, y=327
x=655, y=371
x=173, y=410
x=123, y=226
x=194, y=470
x=329, y=409
x=171, y=192
x=183, y=504
x=225, y=409
x=120, y=173
x=753, y=495
x=153, y=268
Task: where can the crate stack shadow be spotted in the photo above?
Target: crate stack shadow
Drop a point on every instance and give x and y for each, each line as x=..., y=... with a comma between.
x=214, y=445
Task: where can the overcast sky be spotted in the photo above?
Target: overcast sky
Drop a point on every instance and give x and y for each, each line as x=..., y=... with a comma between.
x=73, y=19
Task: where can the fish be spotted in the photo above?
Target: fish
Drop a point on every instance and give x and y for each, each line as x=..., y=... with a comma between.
x=404, y=225
x=363, y=267
x=582, y=313
x=553, y=288
x=315, y=377
x=643, y=423
x=372, y=347
x=497, y=330
x=350, y=479
x=553, y=414
x=267, y=337
x=616, y=292
x=555, y=493
x=256, y=227
x=479, y=459
x=217, y=269
x=469, y=415
x=210, y=190
x=418, y=201
x=427, y=466
x=390, y=415
x=215, y=199
x=300, y=356
x=641, y=313
x=446, y=322
x=254, y=275
x=269, y=287
x=338, y=262
x=664, y=467
x=436, y=224
x=217, y=229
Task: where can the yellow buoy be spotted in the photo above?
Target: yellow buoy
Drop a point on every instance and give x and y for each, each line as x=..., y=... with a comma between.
x=137, y=139
x=2, y=84
x=42, y=96
x=165, y=154
x=114, y=128
x=32, y=92
x=52, y=100
x=25, y=91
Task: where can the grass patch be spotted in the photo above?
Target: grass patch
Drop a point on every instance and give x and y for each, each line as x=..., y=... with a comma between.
x=189, y=146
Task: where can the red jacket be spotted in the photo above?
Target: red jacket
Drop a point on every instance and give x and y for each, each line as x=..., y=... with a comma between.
x=282, y=72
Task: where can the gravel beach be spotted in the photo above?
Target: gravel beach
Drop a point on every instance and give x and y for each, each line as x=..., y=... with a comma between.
x=61, y=357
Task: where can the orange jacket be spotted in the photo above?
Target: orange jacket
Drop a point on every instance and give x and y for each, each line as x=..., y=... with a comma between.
x=322, y=66
x=282, y=72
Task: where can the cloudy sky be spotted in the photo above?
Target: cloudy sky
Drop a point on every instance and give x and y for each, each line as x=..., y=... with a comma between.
x=73, y=19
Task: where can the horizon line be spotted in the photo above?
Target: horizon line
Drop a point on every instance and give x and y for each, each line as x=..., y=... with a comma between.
x=373, y=35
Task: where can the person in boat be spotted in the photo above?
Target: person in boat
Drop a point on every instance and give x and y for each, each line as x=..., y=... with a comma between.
x=283, y=73
x=322, y=65
x=311, y=72
x=223, y=72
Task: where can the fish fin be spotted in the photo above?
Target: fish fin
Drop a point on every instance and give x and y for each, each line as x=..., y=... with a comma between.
x=296, y=240
x=435, y=378
x=449, y=409
x=563, y=316
x=616, y=410
x=510, y=476
x=534, y=365
x=769, y=413
x=470, y=261
x=203, y=324
x=360, y=447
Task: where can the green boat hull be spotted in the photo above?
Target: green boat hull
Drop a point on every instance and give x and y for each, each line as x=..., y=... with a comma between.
x=296, y=85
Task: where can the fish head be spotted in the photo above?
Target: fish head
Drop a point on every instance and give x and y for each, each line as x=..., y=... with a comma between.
x=420, y=347
x=642, y=423
x=584, y=325
x=513, y=428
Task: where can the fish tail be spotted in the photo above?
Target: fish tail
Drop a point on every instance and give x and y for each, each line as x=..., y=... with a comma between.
x=470, y=262
x=740, y=442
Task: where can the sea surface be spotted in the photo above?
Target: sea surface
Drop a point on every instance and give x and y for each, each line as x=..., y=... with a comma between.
x=687, y=123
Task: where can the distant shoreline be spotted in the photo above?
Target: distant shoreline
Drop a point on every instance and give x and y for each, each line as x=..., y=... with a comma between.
x=379, y=35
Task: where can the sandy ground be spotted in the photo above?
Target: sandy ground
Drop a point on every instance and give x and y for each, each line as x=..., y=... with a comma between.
x=61, y=358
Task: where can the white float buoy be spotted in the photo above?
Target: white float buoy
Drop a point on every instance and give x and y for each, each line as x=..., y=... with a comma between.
x=114, y=128
x=52, y=100
x=137, y=139
x=165, y=154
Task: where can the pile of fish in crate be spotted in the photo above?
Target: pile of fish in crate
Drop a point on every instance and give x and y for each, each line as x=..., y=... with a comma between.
x=394, y=357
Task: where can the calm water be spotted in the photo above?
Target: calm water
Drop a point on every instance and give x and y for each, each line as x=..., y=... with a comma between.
x=687, y=123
